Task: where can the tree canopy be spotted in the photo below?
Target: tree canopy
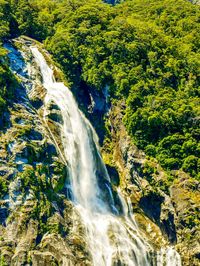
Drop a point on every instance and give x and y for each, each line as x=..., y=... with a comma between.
x=147, y=52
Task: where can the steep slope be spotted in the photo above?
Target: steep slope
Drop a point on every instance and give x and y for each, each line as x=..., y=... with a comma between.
x=134, y=69
x=34, y=177
x=170, y=201
x=39, y=223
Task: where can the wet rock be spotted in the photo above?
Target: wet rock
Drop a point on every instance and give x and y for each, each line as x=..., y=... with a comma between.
x=7, y=172
x=5, y=120
x=3, y=172
x=185, y=194
x=1, y=122
x=37, y=103
x=58, y=248
x=21, y=162
x=35, y=135
x=50, y=149
x=37, y=95
x=56, y=117
x=151, y=204
x=16, y=60
x=43, y=258
x=151, y=231
x=53, y=106
x=114, y=175
x=20, y=121
x=4, y=212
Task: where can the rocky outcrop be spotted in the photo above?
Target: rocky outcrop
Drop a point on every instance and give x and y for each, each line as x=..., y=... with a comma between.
x=185, y=195
x=37, y=219
x=38, y=223
x=168, y=203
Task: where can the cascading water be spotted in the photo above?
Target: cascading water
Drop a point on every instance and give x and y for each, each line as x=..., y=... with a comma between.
x=112, y=239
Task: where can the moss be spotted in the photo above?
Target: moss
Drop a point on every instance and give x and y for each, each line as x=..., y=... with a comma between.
x=3, y=261
x=60, y=183
x=192, y=220
x=3, y=187
x=29, y=259
x=61, y=175
x=148, y=170
x=23, y=130
x=37, y=179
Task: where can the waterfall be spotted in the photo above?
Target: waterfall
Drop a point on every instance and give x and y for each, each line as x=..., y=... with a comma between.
x=113, y=238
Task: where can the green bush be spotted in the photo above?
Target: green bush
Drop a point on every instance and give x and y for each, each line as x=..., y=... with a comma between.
x=190, y=165
x=3, y=187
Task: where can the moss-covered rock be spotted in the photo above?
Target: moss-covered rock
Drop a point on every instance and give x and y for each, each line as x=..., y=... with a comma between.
x=165, y=204
x=35, y=217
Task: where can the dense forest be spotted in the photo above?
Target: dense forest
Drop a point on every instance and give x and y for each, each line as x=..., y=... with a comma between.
x=146, y=52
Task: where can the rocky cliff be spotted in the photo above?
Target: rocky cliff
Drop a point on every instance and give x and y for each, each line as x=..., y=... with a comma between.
x=35, y=214
x=166, y=205
x=38, y=223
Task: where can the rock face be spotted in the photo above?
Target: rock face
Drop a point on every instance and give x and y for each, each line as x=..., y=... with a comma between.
x=197, y=2
x=37, y=220
x=167, y=207
x=185, y=195
x=38, y=223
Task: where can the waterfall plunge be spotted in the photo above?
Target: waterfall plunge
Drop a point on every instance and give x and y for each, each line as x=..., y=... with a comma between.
x=112, y=239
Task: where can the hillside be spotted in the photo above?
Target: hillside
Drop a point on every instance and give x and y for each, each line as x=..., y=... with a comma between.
x=133, y=68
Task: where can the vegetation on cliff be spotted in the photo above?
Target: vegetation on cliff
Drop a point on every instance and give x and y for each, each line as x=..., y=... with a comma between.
x=150, y=57
x=147, y=52
x=7, y=80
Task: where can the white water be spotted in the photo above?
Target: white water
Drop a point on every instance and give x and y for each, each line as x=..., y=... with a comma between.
x=112, y=239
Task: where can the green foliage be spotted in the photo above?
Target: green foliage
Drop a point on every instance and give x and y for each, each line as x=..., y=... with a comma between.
x=61, y=172
x=38, y=180
x=150, y=172
x=3, y=261
x=4, y=18
x=7, y=80
x=191, y=218
x=3, y=187
x=146, y=57
x=147, y=52
x=191, y=164
x=35, y=179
